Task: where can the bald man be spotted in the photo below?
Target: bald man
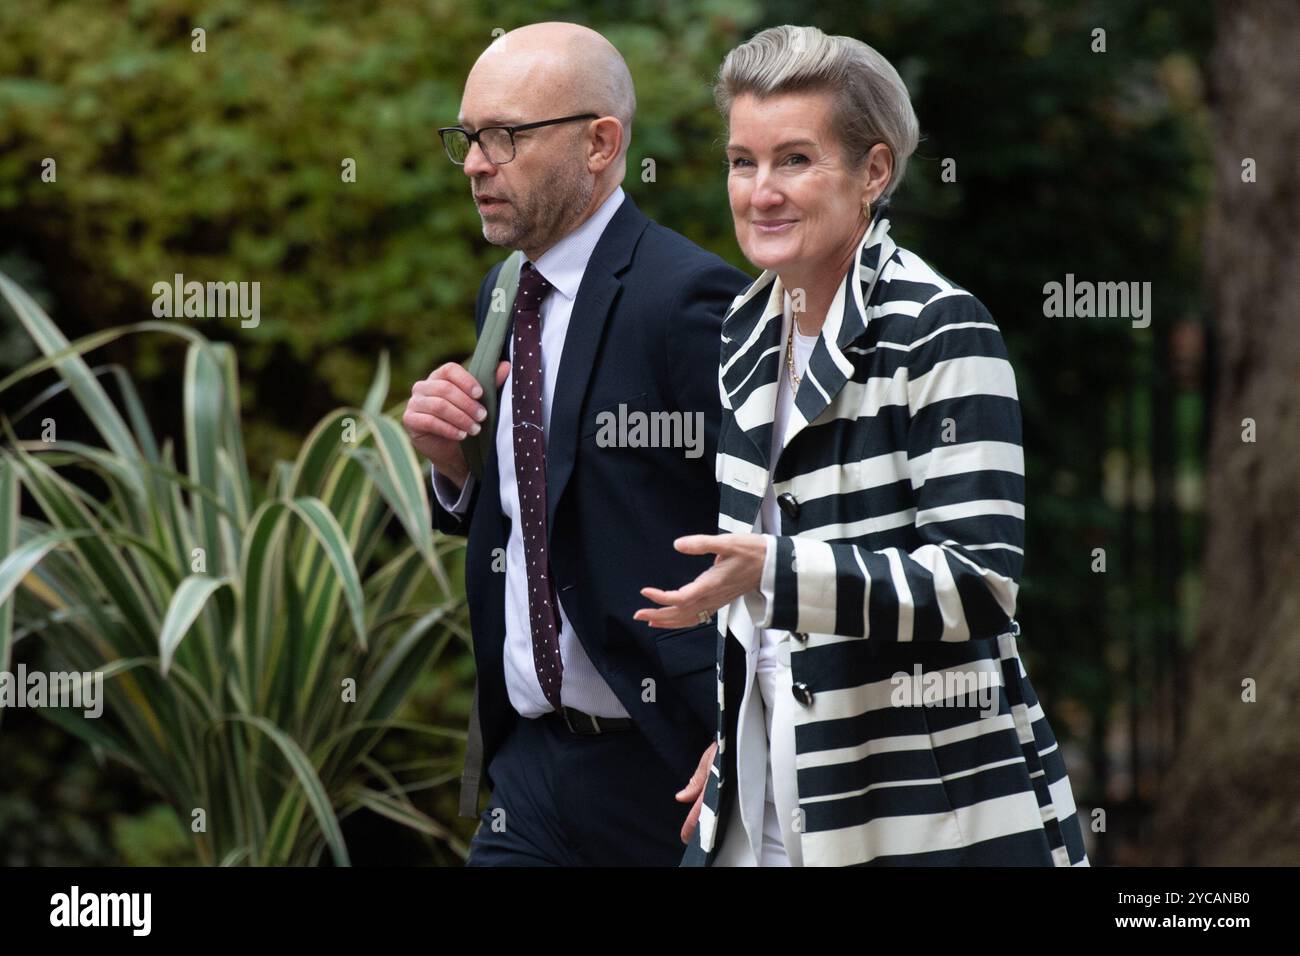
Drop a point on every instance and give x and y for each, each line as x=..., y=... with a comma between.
x=603, y=454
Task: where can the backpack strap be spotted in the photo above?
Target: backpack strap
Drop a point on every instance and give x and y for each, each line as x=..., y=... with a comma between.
x=487, y=355
x=483, y=366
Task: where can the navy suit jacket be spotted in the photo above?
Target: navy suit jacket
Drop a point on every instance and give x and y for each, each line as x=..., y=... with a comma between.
x=645, y=333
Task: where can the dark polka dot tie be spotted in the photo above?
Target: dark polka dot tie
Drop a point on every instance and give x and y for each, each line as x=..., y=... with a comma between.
x=530, y=476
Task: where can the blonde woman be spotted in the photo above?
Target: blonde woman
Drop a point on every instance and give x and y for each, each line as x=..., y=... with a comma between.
x=873, y=707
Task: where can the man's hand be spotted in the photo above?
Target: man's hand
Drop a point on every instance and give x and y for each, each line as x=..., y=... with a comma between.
x=695, y=791
x=443, y=409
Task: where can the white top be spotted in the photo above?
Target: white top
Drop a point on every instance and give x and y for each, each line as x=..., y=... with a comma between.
x=563, y=265
x=761, y=654
x=769, y=514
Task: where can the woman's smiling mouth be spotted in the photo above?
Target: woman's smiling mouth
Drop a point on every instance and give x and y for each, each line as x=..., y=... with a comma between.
x=771, y=227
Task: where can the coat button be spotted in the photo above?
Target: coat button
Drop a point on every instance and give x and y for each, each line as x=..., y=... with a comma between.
x=801, y=693
x=800, y=636
x=788, y=504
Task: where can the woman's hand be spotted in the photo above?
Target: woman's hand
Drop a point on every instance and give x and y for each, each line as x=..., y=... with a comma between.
x=737, y=570
x=695, y=791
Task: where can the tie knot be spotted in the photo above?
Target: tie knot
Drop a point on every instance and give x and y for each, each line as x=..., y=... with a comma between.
x=532, y=287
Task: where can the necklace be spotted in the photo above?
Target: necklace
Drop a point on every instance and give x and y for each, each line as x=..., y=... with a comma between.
x=789, y=358
x=789, y=354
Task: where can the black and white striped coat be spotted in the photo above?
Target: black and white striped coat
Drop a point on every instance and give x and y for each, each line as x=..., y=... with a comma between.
x=902, y=481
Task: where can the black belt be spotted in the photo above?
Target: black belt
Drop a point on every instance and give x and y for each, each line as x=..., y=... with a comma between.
x=580, y=723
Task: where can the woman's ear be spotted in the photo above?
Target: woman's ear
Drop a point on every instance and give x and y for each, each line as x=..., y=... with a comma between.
x=878, y=169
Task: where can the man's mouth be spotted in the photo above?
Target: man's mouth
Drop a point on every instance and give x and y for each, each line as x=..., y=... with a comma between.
x=489, y=203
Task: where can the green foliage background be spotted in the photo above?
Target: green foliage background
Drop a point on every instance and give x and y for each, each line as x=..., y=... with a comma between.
x=226, y=165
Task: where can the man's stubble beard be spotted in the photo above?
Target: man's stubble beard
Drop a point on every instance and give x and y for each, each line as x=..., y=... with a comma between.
x=546, y=215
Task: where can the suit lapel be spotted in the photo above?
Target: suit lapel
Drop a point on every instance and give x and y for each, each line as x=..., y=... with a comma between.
x=591, y=310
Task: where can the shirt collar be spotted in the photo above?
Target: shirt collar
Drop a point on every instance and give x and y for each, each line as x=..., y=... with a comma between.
x=564, y=263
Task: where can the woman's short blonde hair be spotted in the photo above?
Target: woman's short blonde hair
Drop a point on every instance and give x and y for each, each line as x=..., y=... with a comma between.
x=872, y=104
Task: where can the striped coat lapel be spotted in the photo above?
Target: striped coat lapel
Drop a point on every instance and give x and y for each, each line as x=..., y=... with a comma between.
x=751, y=356
x=753, y=346
x=828, y=366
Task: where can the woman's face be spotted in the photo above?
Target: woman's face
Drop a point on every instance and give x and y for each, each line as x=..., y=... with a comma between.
x=794, y=201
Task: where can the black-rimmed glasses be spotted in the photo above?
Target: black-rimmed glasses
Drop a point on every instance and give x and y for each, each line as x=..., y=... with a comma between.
x=497, y=142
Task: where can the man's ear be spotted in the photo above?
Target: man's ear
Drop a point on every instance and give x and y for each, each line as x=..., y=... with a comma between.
x=606, y=140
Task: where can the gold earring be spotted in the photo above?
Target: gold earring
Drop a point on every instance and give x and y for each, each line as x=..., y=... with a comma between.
x=866, y=211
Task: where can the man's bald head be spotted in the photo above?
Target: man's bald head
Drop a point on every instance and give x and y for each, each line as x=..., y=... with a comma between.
x=565, y=68
x=560, y=172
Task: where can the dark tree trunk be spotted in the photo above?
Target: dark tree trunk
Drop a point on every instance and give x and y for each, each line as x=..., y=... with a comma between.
x=1232, y=795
